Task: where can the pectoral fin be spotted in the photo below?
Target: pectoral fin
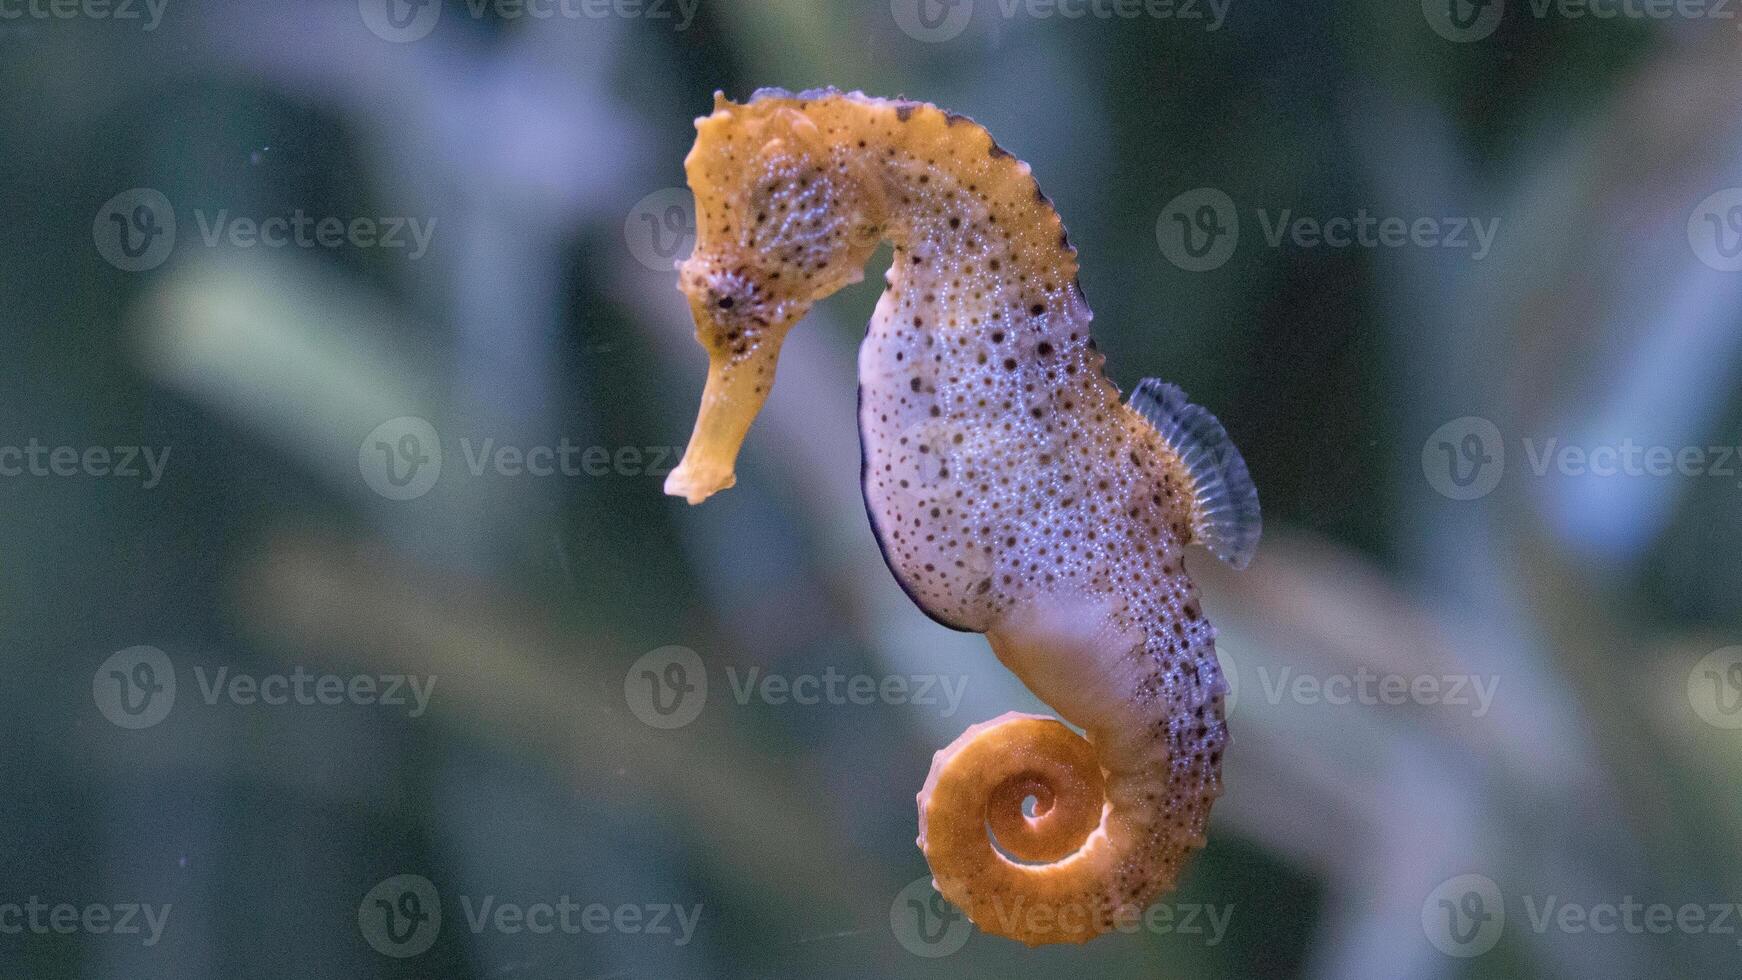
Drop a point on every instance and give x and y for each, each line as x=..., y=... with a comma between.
x=1225, y=514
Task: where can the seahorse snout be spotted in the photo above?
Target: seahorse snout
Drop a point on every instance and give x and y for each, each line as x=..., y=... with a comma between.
x=743, y=352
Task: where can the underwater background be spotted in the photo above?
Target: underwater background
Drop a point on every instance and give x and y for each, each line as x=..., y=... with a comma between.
x=345, y=630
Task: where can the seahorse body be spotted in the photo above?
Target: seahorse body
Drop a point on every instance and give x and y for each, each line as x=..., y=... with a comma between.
x=1012, y=493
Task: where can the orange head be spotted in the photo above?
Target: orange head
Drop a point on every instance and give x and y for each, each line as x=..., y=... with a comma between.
x=784, y=217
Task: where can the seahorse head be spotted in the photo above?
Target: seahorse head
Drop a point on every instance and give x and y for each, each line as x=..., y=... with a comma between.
x=783, y=219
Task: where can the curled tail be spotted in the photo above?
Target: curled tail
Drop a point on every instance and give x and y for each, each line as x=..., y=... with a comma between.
x=1114, y=814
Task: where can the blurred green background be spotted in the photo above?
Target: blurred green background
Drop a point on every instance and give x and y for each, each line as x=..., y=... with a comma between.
x=1439, y=433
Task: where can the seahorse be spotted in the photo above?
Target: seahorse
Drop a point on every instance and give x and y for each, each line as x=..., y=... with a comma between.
x=1011, y=491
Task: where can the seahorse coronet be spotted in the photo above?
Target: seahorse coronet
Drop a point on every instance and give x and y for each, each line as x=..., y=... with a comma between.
x=1010, y=490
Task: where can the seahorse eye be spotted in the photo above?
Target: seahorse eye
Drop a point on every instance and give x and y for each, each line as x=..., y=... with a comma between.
x=732, y=293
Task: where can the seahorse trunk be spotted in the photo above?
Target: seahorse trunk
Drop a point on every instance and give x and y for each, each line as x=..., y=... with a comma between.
x=1010, y=490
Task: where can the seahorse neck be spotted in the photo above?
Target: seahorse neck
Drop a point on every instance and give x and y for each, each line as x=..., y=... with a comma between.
x=975, y=239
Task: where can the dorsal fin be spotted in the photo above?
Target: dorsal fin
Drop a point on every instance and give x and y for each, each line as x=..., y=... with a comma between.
x=1225, y=515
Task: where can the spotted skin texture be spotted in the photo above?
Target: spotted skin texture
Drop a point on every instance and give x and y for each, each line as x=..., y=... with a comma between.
x=1012, y=492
